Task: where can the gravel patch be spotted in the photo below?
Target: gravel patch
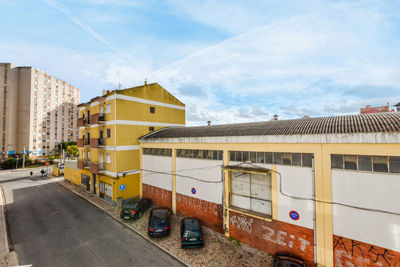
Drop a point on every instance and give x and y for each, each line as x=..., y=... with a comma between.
x=218, y=250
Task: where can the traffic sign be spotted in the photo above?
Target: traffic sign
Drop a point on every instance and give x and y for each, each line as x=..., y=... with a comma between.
x=294, y=215
x=47, y=163
x=122, y=187
x=193, y=191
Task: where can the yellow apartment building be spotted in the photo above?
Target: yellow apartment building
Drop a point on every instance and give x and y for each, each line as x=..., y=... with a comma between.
x=109, y=128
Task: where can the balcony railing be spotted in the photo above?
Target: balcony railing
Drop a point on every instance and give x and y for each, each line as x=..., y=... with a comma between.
x=102, y=117
x=80, y=142
x=80, y=164
x=103, y=166
x=80, y=122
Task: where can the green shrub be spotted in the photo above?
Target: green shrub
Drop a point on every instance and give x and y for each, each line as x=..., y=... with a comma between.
x=9, y=163
x=28, y=162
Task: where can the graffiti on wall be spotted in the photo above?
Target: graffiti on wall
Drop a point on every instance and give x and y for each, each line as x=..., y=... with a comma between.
x=200, y=205
x=242, y=223
x=349, y=252
x=279, y=237
x=282, y=238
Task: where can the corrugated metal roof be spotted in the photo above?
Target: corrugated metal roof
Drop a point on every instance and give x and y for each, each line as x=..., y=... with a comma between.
x=361, y=123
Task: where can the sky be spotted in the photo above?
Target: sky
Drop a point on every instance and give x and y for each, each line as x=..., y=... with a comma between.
x=228, y=61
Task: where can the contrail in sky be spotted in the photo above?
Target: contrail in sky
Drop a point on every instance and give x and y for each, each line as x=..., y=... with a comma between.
x=77, y=22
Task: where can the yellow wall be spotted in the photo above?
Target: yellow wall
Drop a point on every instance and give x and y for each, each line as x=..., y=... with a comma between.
x=72, y=175
x=141, y=112
x=132, y=185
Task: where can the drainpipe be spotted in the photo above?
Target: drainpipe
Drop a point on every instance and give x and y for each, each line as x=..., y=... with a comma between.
x=315, y=209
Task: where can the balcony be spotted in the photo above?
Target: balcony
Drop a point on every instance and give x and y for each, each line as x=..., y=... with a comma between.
x=101, y=141
x=80, y=142
x=94, y=167
x=102, y=117
x=96, y=118
x=103, y=166
x=80, y=122
x=86, y=163
x=80, y=164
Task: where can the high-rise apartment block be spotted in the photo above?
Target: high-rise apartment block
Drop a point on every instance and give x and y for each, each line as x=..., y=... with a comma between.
x=37, y=111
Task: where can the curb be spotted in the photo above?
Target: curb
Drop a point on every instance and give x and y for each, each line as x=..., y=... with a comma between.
x=127, y=226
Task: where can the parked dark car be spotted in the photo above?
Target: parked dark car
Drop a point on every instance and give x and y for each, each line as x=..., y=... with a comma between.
x=159, y=222
x=287, y=260
x=135, y=208
x=191, y=233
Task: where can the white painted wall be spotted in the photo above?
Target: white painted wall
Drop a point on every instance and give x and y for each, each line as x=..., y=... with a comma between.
x=368, y=190
x=298, y=182
x=209, y=170
x=157, y=164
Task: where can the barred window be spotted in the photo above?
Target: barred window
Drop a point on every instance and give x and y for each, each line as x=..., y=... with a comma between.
x=291, y=159
x=166, y=152
x=199, y=154
x=384, y=164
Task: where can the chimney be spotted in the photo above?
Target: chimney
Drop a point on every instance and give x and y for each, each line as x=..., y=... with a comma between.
x=145, y=82
x=208, y=123
x=275, y=117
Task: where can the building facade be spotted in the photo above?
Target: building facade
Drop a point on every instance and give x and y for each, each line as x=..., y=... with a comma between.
x=369, y=109
x=324, y=189
x=38, y=111
x=109, y=129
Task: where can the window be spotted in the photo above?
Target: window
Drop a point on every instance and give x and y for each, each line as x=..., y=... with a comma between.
x=251, y=192
x=365, y=163
x=108, y=108
x=152, y=110
x=380, y=164
x=167, y=152
x=287, y=158
x=337, y=161
x=394, y=163
x=199, y=154
x=277, y=158
x=108, y=132
x=350, y=162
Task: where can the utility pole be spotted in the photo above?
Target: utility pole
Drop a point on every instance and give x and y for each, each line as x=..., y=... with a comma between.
x=16, y=166
x=23, y=159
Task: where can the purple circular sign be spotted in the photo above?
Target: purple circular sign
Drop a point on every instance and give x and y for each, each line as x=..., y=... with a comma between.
x=193, y=190
x=294, y=215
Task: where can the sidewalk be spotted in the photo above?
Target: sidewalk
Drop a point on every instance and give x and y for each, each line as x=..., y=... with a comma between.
x=218, y=250
x=3, y=230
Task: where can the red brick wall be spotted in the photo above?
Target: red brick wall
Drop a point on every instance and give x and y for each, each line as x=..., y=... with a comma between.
x=348, y=252
x=209, y=213
x=273, y=237
x=159, y=196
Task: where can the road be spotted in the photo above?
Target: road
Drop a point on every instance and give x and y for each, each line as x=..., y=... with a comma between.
x=51, y=226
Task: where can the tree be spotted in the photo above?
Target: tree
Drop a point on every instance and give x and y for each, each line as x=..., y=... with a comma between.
x=72, y=150
x=63, y=145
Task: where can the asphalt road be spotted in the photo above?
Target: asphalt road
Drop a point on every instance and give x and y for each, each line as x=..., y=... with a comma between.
x=51, y=226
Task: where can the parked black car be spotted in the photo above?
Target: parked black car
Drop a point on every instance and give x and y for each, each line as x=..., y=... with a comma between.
x=287, y=260
x=191, y=233
x=135, y=208
x=159, y=222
